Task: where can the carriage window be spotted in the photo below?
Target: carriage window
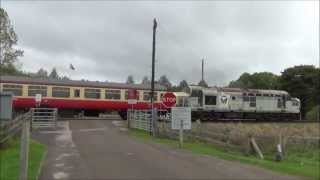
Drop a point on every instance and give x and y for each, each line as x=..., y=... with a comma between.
x=92, y=93
x=266, y=95
x=252, y=101
x=210, y=100
x=295, y=103
x=113, y=94
x=245, y=98
x=33, y=90
x=15, y=89
x=147, y=95
x=60, y=92
x=126, y=95
x=76, y=93
x=233, y=98
x=258, y=94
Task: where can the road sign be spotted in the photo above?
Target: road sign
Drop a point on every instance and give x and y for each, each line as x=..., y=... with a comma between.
x=38, y=98
x=169, y=99
x=179, y=114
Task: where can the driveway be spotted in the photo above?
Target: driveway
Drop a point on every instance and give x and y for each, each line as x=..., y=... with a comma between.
x=100, y=149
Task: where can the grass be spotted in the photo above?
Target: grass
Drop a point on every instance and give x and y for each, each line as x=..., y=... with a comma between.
x=291, y=165
x=10, y=160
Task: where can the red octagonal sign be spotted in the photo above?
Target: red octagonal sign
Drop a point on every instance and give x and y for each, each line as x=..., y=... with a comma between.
x=169, y=99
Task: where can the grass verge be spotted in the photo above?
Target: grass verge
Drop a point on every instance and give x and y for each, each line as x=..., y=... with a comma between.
x=10, y=160
x=289, y=166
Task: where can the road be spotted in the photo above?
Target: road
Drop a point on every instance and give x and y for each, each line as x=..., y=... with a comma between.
x=97, y=149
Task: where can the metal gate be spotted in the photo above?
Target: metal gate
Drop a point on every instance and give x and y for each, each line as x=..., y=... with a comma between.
x=140, y=119
x=44, y=117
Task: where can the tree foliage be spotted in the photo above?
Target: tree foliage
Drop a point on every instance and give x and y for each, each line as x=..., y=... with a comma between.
x=42, y=73
x=8, y=39
x=130, y=80
x=54, y=74
x=163, y=80
x=145, y=80
x=302, y=82
x=261, y=80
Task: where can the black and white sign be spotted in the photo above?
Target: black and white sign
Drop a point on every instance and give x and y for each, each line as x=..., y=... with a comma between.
x=179, y=114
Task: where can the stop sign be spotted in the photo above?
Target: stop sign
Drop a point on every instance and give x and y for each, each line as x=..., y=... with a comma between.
x=169, y=99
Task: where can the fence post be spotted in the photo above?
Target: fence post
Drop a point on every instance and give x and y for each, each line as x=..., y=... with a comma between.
x=181, y=134
x=24, y=149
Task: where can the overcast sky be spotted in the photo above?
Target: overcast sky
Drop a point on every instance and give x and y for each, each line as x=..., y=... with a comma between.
x=110, y=40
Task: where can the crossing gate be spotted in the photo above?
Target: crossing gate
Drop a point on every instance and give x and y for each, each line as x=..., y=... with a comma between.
x=140, y=119
x=44, y=117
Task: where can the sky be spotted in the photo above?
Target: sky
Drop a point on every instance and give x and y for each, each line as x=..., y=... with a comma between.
x=108, y=40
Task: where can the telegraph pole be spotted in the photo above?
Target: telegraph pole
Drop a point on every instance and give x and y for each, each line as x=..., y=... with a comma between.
x=152, y=76
x=202, y=78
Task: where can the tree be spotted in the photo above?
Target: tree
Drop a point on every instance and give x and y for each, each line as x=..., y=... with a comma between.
x=8, y=39
x=302, y=82
x=42, y=73
x=130, y=80
x=183, y=85
x=145, y=80
x=163, y=80
x=54, y=74
x=260, y=80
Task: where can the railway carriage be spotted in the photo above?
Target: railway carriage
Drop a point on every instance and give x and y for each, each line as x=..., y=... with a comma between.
x=73, y=97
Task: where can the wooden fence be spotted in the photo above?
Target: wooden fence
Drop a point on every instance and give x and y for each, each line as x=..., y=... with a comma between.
x=235, y=140
x=10, y=128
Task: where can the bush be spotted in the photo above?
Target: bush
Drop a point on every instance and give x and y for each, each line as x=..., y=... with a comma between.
x=312, y=114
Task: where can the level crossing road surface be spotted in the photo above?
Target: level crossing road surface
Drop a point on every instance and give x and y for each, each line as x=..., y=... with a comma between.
x=102, y=149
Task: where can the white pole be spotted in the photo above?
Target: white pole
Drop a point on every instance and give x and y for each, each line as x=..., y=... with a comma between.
x=181, y=133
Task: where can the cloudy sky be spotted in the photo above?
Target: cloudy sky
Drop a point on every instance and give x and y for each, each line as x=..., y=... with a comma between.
x=108, y=40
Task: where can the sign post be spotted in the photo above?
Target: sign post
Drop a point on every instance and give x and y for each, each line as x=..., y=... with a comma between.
x=38, y=98
x=180, y=120
x=132, y=99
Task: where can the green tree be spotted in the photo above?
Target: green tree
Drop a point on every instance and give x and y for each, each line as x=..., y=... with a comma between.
x=42, y=73
x=8, y=39
x=54, y=74
x=163, y=80
x=145, y=80
x=258, y=80
x=302, y=82
x=130, y=80
x=183, y=85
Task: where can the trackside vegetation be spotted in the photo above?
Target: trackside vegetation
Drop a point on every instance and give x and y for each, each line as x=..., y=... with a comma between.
x=307, y=164
x=10, y=159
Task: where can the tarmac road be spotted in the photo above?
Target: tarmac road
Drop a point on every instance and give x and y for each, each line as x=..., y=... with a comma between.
x=97, y=149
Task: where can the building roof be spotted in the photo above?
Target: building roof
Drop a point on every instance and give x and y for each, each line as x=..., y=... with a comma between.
x=77, y=83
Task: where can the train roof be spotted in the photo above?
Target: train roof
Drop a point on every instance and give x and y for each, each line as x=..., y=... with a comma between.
x=241, y=90
x=78, y=83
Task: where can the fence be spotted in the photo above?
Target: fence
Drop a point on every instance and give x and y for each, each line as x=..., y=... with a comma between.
x=238, y=137
x=10, y=128
x=44, y=117
x=140, y=119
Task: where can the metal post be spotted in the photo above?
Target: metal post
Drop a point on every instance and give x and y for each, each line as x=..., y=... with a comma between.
x=181, y=133
x=24, y=150
x=152, y=75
